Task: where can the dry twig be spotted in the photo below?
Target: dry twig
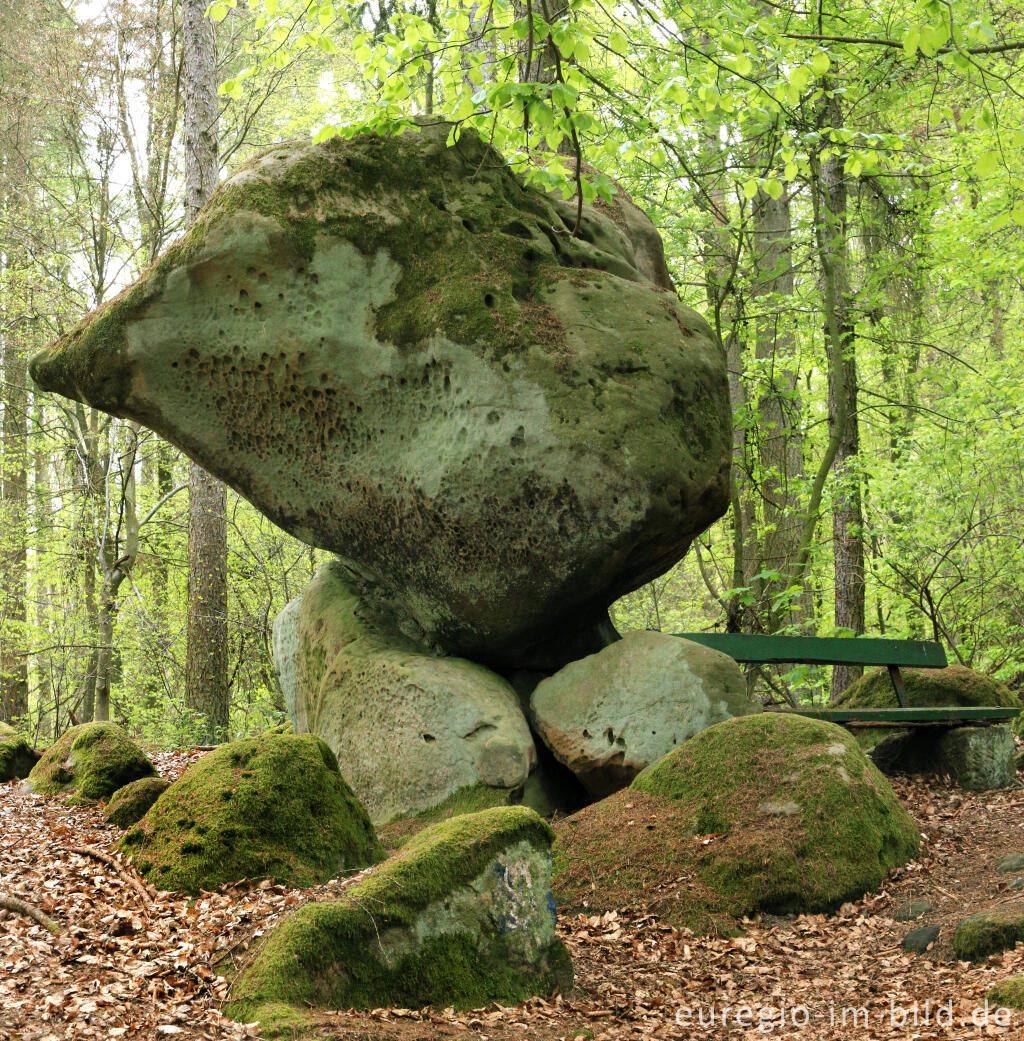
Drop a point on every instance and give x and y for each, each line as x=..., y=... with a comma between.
x=12, y=903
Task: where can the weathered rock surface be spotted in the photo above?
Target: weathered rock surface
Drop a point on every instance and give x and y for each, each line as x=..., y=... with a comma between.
x=977, y=758
x=93, y=760
x=1011, y=863
x=608, y=716
x=919, y=940
x=269, y=805
x=399, y=353
x=17, y=757
x=462, y=915
x=912, y=910
x=798, y=818
x=128, y=805
x=409, y=730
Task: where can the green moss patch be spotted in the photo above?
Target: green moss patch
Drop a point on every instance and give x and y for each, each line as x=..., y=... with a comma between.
x=17, y=757
x=770, y=812
x=1008, y=993
x=471, y=799
x=93, y=760
x=128, y=805
x=423, y=927
x=987, y=932
x=955, y=686
x=270, y=805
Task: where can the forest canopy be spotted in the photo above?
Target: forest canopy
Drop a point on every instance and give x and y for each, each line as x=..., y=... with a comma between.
x=839, y=191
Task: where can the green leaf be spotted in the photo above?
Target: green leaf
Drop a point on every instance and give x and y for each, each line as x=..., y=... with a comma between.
x=986, y=163
x=750, y=188
x=821, y=63
x=217, y=12
x=911, y=39
x=773, y=188
x=800, y=77
x=791, y=171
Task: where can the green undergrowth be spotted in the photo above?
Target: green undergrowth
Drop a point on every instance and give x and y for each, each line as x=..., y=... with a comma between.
x=769, y=812
x=92, y=760
x=273, y=805
x=324, y=954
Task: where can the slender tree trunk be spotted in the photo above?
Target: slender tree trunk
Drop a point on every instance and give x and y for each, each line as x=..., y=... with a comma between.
x=206, y=673
x=14, y=535
x=780, y=443
x=847, y=519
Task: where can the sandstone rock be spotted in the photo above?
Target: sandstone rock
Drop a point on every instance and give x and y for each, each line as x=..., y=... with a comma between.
x=912, y=910
x=93, y=760
x=399, y=353
x=409, y=730
x=461, y=916
x=269, y=805
x=1011, y=863
x=285, y=645
x=977, y=758
x=610, y=715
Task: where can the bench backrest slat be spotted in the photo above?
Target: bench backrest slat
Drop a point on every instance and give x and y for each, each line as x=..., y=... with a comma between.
x=820, y=650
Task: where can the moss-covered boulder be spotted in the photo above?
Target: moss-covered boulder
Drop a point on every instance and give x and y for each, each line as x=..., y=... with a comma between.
x=461, y=916
x=93, y=760
x=1008, y=993
x=974, y=758
x=609, y=715
x=269, y=805
x=128, y=805
x=17, y=756
x=988, y=932
x=955, y=685
x=770, y=812
x=401, y=354
x=410, y=730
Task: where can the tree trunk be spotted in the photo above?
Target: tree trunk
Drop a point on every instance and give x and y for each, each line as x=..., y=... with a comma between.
x=847, y=519
x=206, y=676
x=13, y=535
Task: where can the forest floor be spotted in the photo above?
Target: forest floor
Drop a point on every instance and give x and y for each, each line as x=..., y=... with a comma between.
x=127, y=965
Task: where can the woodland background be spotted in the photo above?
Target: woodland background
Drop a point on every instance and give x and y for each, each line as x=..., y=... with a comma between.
x=840, y=187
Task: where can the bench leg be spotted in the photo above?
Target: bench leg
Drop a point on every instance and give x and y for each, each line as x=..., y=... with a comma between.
x=897, y=685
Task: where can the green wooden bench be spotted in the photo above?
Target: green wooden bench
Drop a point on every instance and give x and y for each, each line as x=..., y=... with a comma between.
x=893, y=654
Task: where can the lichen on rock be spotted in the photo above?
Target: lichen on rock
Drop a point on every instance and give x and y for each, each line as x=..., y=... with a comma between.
x=462, y=915
x=92, y=760
x=270, y=805
x=399, y=353
x=769, y=812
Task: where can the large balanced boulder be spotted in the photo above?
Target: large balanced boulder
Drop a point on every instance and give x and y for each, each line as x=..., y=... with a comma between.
x=461, y=916
x=977, y=758
x=270, y=805
x=17, y=757
x=401, y=354
x=770, y=812
x=410, y=730
x=92, y=760
x=613, y=713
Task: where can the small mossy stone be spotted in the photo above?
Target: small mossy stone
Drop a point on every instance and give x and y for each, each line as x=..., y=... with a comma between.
x=1017, y=883
x=269, y=805
x=1008, y=993
x=918, y=941
x=461, y=915
x=93, y=760
x=128, y=805
x=912, y=910
x=1011, y=863
x=955, y=685
x=17, y=756
x=987, y=932
x=798, y=818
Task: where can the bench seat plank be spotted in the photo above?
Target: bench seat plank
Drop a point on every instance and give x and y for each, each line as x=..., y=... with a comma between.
x=822, y=650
